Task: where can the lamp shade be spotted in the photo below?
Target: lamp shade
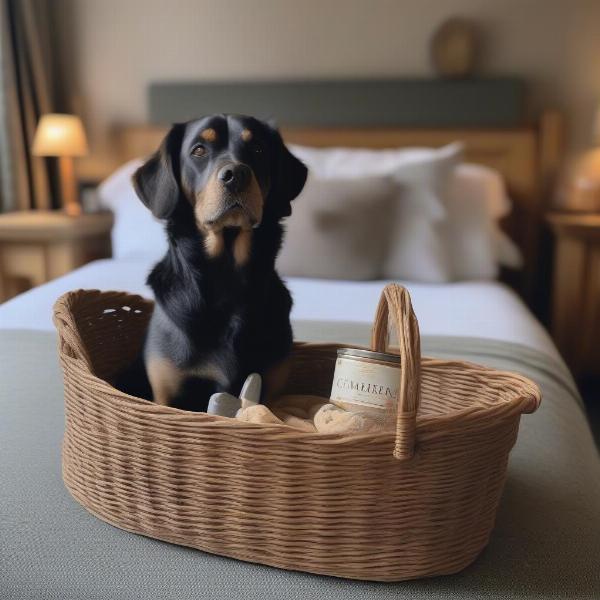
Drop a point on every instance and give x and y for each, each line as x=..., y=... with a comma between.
x=59, y=135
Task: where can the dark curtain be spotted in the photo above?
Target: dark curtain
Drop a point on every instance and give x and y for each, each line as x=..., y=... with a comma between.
x=29, y=86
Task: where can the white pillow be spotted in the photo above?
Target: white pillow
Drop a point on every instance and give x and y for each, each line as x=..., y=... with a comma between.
x=339, y=229
x=428, y=247
x=462, y=239
x=475, y=202
x=418, y=166
x=417, y=255
x=136, y=233
x=416, y=250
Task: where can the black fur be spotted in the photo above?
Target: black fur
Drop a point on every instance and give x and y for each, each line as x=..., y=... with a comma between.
x=235, y=315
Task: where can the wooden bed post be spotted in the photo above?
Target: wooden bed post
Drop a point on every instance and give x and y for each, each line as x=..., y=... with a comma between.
x=551, y=145
x=551, y=150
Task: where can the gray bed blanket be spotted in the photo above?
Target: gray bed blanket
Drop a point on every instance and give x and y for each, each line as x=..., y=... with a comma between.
x=546, y=543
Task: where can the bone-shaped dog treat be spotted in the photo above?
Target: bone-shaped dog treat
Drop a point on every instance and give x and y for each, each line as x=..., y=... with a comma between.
x=227, y=405
x=223, y=404
x=251, y=389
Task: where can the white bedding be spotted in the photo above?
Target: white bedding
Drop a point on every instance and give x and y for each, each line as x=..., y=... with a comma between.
x=470, y=309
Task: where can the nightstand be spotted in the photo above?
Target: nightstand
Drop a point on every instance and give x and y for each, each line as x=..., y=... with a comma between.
x=37, y=246
x=576, y=291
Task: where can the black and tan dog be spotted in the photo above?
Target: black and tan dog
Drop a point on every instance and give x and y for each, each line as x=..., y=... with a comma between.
x=222, y=184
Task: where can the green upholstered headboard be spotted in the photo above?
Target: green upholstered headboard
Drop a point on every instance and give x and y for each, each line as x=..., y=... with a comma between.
x=496, y=102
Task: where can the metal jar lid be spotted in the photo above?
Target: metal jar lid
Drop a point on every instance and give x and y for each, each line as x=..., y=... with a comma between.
x=356, y=353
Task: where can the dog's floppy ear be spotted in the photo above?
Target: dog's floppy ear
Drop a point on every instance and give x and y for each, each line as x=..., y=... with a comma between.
x=289, y=177
x=156, y=182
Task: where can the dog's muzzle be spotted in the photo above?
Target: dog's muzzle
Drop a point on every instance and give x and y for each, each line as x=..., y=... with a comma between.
x=234, y=211
x=235, y=177
x=231, y=198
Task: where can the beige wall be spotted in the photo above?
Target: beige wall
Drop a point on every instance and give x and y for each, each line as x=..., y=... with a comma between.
x=118, y=46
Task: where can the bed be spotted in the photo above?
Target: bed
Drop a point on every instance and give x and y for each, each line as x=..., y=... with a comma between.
x=545, y=544
x=489, y=310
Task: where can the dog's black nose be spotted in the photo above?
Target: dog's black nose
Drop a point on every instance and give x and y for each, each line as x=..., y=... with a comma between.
x=234, y=176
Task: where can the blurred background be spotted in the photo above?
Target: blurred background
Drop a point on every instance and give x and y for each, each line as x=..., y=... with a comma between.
x=111, y=51
x=97, y=59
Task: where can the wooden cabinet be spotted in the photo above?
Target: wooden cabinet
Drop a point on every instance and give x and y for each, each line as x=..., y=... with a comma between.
x=37, y=246
x=576, y=290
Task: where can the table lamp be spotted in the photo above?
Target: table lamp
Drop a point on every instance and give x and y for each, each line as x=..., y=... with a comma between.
x=62, y=136
x=586, y=193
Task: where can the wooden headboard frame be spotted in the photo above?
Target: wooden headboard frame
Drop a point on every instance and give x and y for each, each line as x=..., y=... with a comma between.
x=528, y=158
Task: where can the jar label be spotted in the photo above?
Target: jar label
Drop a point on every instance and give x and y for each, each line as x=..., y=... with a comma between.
x=365, y=383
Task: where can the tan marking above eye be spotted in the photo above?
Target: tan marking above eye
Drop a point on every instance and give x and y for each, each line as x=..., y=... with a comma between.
x=209, y=135
x=246, y=135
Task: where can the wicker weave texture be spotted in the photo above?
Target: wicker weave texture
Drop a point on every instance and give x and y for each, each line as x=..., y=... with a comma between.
x=414, y=502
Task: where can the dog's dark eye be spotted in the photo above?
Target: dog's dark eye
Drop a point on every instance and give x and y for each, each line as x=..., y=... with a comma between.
x=199, y=150
x=257, y=147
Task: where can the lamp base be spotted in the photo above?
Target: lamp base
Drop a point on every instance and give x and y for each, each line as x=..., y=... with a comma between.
x=584, y=192
x=72, y=210
x=585, y=195
x=70, y=204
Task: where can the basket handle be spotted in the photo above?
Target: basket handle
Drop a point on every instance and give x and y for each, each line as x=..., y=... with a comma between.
x=395, y=301
x=69, y=340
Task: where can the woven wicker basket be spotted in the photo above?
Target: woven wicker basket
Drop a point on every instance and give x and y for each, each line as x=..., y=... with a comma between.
x=416, y=502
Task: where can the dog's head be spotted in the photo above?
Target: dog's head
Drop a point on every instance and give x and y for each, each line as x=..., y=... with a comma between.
x=232, y=170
